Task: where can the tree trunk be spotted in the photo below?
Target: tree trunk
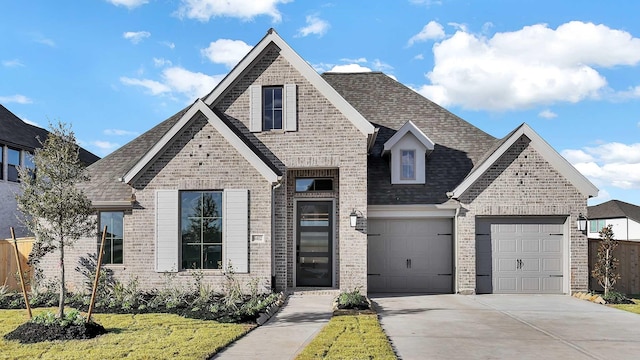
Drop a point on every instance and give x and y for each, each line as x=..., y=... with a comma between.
x=606, y=273
x=62, y=287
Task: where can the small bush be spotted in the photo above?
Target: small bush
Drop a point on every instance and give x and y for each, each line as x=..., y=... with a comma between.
x=352, y=300
x=614, y=297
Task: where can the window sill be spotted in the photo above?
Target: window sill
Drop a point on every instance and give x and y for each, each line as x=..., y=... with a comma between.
x=273, y=132
x=205, y=272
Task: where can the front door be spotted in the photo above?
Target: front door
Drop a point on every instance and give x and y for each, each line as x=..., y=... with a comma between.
x=314, y=243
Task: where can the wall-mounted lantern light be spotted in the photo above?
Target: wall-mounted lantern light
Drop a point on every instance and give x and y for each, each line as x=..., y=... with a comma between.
x=353, y=217
x=582, y=223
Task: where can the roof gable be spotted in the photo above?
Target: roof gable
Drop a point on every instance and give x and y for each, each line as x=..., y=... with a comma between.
x=301, y=66
x=551, y=155
x=614, y=209
x=268, y=170
x=409, y=127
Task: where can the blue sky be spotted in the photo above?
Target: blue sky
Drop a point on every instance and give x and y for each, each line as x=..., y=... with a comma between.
x=115, y=68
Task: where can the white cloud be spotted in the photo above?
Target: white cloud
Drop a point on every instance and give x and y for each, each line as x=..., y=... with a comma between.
x=119, y=132
x=534, y=65
x=136, y=36
x=30, y=122
x=350, y=68
x=177, y=80
x=168, y=44
x=226, y=51
x=315, y=26
x=18, y=99
x=609, y=164
x=43, y=40
x=431, y=31
x=426, y=2
x=418, y=57
x=358, y=60
x=154, y=87
x=603, y=195
x=103, y=147
x=631, y=93
x=381, y=66
x=547, y=114
x=128, y=3
x=204, y=10
x=161, y=62
x=12, y=63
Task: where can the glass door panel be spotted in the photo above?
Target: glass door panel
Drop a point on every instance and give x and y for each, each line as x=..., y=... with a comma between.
x=314, y=243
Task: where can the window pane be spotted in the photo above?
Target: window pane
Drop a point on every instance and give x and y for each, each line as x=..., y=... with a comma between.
x=191, y=256
x=268, y=98
x=1, y=162
x=212, y=204
x=212, y=256
x=13, y=161
x=277, y=119
x=212, y=231
x=408, y=165
x=267, y=120
x=277, y=98
x=323, y=184
x=304, y=185
x=593, y=224
x=114, y=220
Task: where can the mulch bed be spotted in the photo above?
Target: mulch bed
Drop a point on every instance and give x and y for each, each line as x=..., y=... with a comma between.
x=29, y=332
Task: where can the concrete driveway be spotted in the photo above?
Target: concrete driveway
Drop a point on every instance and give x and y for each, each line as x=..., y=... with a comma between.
x=507, y=327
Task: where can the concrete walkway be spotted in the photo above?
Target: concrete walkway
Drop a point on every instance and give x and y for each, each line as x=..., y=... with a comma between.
x=507, y=327
x=285, y=334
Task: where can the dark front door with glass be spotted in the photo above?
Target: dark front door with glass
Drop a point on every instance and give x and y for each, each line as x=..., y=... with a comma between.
x=314, y=243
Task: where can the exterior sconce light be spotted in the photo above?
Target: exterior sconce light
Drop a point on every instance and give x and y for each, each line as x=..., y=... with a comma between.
x=353, y=217
x=582, y=223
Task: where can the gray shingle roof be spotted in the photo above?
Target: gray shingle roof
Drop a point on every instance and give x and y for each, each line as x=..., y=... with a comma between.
x=17, y=133
x=614, y=209
x=104, y=184
x=389, y=104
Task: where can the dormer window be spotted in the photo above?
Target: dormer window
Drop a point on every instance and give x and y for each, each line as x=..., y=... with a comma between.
x=408, y=164
x=408, y=149
x=272, y=108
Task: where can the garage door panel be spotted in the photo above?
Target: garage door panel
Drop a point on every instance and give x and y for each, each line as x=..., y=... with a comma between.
x=415, y=252
x=527, y=255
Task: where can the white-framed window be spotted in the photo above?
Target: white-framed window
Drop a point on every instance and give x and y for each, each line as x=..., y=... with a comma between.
x=272, y=108
x=201, y=229
x=13, y=161
x=407, y=164
x=114, y=240
x=596, y=225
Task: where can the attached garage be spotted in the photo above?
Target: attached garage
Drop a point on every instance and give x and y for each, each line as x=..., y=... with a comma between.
x=521, y=255
x=410, y=255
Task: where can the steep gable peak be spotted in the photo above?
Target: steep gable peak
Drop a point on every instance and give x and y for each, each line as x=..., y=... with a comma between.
x=409, y=127
x=301, y=66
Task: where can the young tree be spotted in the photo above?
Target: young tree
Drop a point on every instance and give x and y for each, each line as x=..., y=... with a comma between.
x=55, y=210
x=605, y=267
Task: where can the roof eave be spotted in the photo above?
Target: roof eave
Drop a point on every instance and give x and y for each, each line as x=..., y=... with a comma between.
x=583, y=184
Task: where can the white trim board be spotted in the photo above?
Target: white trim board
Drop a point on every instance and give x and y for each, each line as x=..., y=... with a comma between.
x=410, y=211
x=548, y=153
x=299, y=64
x=219, y=125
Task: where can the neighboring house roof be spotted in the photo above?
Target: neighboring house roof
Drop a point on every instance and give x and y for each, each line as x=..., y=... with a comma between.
x=409, y=126
x=388, y=104
x=551, y=155
x=299, y=64
x=614, y=209
x=17, y=133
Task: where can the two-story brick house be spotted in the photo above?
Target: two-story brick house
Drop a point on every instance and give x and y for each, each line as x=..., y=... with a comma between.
x=337, y=181
x=18, y=141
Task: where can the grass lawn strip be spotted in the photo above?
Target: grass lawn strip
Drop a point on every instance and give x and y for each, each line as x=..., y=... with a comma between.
x=350, y=337
x=143, y=336
x=634, y=308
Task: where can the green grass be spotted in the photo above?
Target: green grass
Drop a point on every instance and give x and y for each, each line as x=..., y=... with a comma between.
x=143, y=336
x=634, y=308
x=350, y=337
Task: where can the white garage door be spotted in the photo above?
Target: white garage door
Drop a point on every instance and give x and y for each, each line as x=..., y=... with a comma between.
x=410, y=255
x=520, y=255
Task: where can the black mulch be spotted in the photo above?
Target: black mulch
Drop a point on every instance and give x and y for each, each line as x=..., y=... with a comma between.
x=29, y=332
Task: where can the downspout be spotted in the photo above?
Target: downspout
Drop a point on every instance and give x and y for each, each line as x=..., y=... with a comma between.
x=273, y=232
x=455, y=242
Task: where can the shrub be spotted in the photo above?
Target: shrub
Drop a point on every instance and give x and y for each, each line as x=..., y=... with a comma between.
x=614, y=297
x=352, y=300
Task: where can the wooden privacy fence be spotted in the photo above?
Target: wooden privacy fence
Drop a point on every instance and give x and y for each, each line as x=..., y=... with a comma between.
x=628, y=255
x=8, y=265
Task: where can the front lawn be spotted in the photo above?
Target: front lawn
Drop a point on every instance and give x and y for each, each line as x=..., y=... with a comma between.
x=634, y=308
x=350, y=337
x=140, y=336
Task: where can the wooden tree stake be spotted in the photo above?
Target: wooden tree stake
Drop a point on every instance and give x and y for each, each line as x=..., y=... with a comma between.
x=24, y=289
x=95, y=281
